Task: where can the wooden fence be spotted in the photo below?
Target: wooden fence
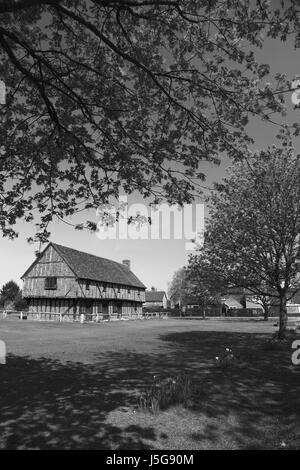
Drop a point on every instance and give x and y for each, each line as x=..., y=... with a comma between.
x=71, y=317
x=7, y=313
x=146, y=314
x=210, y=311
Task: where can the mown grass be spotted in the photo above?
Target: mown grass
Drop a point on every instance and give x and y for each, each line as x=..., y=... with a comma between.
x=73, y=386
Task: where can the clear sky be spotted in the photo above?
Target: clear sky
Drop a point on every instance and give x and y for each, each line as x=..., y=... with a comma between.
x=153, y=261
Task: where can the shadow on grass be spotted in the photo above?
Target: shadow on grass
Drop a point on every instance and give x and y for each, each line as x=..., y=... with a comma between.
x=46, y=404
x=261, y=392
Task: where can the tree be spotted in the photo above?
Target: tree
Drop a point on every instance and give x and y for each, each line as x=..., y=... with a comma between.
x=179, y=287
x=265, y=301
x=20, y=303
x=9, y=292
x=108, y=94
x=253, y=234
x=204, y=284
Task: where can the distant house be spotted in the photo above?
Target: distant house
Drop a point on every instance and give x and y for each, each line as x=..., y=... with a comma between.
x=70, y=282
x=186, y=302
x=156, y=299
x=238, y=299
x=293, y=306
x=232, y=302
x=253, y=305
x=191, y=305
x=190, y=301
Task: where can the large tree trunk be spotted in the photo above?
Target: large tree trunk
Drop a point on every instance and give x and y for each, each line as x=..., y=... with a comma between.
x=282, y=317
x=266, y=312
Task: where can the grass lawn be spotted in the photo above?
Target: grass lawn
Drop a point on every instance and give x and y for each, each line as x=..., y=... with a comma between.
x=76, y=386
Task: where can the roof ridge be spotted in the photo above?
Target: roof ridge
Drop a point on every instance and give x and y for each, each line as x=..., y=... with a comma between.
x=90, y=254
x=89, y=266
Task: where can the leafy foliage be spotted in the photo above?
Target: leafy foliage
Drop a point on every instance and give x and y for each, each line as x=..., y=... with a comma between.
x=20, y=303
x=179, y=286
x=253, y=234
x=106, y=94
x=9, y=291
x=168, y=392
x=204, y=283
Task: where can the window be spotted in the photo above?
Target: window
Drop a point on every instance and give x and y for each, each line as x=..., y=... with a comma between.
x=87, y=285
x=119, y=289
x=50, y=283
x=129, y=290
x=104, y=287
x=99, y=307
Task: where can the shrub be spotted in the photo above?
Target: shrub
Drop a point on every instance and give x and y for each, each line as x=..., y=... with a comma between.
x=20, y=303
x=168, y=392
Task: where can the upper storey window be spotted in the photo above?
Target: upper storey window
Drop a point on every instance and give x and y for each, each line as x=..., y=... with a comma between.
x=51, y=283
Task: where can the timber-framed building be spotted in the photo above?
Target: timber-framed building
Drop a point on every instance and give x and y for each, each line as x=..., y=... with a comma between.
x=71, y=283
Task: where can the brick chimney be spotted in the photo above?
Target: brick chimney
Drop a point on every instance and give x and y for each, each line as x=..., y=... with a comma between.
x=126, y=262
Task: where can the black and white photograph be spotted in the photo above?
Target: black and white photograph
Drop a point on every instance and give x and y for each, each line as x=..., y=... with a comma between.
x=150, y=228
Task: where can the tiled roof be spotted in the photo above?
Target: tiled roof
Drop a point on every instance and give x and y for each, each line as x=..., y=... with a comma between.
x=155, y=295
x=87, y=266
x=250, y=304
x=231, y=302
